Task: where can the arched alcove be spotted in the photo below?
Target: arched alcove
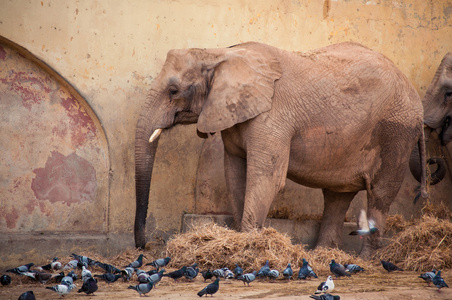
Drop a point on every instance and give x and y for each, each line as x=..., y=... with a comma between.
x=54, y=154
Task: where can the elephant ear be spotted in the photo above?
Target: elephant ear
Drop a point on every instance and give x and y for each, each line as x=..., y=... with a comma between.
x=241, y=88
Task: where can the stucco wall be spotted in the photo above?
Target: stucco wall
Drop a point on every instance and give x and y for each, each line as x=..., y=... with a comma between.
x=110, y=51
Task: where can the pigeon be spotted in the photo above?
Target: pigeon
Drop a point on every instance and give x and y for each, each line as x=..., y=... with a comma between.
x=137, y=263
x=326, y=286
x=142, y=288
x=21, y=269
x=155, y=278
x=325, y=297
x=67, y=280
x=263, y=272
x=27, y=296
x=337, y=269
x=218, y=273
x=159, y=263
x=228, y=274
x=273, y=274
x=108, y=268
x=390, y=267
x=108, y=277
x=207, y=275
x=53, y=266
x=176, y=274
x=61, y=289
x=247, y=278
x=439, y=282
x=127, y=274
x=5, y=280
x=365, y=227
x=428, y=276
x=89, y=286
x=352, y=268
x=288, y=272
x=42, y=277
x=71, y=264
x=86, y=274
x=237, y=271
x=211, y=288
x=83, y=260
x=191, y=272
x=306, y=271
x=59, y=277
x=143, y=276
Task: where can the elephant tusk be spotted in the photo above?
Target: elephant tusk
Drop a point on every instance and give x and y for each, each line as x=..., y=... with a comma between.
x=155, y=135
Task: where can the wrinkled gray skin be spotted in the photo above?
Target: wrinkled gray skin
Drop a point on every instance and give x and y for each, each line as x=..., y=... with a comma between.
x=342, y=118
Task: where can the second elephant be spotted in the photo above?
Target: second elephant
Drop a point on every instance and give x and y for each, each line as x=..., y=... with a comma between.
x=342, y=118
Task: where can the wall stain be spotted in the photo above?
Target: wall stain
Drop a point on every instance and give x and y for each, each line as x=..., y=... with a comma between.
x=66, y=179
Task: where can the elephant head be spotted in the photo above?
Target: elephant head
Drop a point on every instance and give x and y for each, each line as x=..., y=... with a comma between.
x=215, y=88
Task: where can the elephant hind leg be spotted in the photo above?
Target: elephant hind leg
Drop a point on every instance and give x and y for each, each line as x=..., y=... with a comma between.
x=335, y=208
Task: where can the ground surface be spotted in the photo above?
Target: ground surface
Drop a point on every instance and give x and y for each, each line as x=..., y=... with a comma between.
x=370, y=285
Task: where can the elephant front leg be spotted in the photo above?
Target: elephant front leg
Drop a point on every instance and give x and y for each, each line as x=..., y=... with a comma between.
x=235, y=175
x=335, y=208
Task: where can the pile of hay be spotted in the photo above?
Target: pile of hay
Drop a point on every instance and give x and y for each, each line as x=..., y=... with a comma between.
x=422, y=246
x=213, y=246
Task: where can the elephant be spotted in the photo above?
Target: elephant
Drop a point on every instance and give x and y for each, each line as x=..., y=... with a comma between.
x=342, y=118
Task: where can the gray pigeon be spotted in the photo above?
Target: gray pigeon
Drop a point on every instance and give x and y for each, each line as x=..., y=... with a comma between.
x=306, y=271
x=237, y=271
x=143, y=276
x=211, y=288
x=155, y=278
x=159, y=263
x=273, y=274
x=263, y=272
x=137, y=263
x=86, y=274
x=227, y=274
x=61, y=289
x=83, y=260
x=288, y=272
x=365, y=227
x=352, y=268
x=142, y=288
x=247, y=278
x=21, y=269
x=71, y=265
x=27, y=296
x=191, y=272
x=325, y=297
x=337, y=269
x=127, y=273
x=89, y=286
x=218, y=273
x=428, y=276
x=439, y=282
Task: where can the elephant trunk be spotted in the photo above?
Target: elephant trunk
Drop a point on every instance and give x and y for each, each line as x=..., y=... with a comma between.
x=144, y=163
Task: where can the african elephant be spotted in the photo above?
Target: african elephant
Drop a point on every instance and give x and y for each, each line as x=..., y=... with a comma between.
x=342, y=118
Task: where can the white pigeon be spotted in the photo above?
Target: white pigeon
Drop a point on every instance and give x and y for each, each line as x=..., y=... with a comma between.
x=365, y=227
x=86, y=274
x=326, y=286
x=62, y=289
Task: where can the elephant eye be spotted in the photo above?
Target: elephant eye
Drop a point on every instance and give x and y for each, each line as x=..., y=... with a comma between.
x=172, y=90
x=447, y=96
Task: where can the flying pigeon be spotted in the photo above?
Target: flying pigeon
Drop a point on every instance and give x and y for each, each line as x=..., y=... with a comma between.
x=211, y=288
x=83, y=260
x=176, y=274
x=352, y=268
x=27, y=296
x=288, y=272
x=337, y=269
x=207, y=275
x=191, y=272
x=155, y=278
x=365, y=227
x=428, y=276
x=21, y=269
x=5, y=280
x=108, y=277
x=263, y=272
x=86, y=274
x=237, y=271
x=439, y=282
x=306, y=271
x=108, y=268
x=137, y=263
x=325, y=297
x=89, y=286
x=218, y=273
x=61, y=289
x=390, y=267
x=273, y=274
x=142, y=288
x=53, y=266
x=159, y=263
x=127, y=274
x=326, y=286
x=247, y=278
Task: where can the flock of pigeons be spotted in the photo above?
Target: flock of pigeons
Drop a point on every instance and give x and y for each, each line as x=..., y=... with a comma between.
x=148, y=279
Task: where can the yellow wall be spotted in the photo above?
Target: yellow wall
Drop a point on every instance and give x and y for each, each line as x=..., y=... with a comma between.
x=110, y=51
